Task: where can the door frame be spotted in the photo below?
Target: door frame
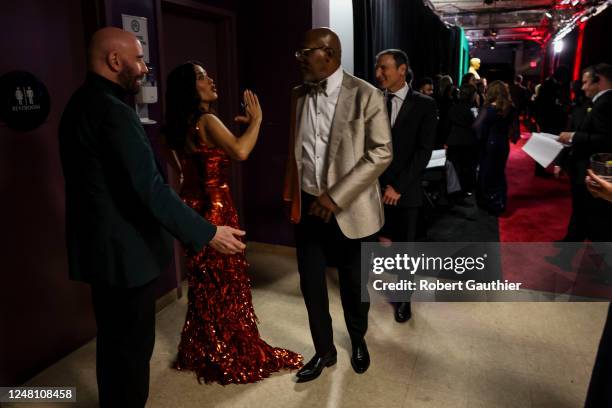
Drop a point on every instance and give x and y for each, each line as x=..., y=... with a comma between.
x=226, y=40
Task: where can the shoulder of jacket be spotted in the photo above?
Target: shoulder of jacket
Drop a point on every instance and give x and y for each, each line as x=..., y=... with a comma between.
x=363, y=86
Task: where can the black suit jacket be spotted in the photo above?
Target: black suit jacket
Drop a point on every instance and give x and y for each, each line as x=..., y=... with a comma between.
x=594, y=135
x=413, y=135
x=119, y=209
x=520, y=96
x=461, y=120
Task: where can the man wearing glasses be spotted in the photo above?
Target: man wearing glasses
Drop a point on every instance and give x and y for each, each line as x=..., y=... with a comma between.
x=340, y=144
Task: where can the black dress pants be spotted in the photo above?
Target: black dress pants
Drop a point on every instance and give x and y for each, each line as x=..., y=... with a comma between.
x=578, y=225
x=126, y=334
x=465, y=160
x=318, y=245
x=400, y=223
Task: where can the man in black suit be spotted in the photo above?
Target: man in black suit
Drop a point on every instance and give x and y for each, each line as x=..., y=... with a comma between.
x=519, y=94
x=594, y=135
x=413, y=119
x=119, y=211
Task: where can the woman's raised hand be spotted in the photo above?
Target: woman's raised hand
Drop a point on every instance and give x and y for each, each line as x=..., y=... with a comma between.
x=251, y=107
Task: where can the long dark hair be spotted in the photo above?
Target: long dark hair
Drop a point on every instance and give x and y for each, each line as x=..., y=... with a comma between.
x=499, y=94
x=182, y=105
x=446, y=87
x=467, y=78
x=467, y=93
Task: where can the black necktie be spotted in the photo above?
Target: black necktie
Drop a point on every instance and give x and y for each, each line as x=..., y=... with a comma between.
x=315, y=88
x=390, y=97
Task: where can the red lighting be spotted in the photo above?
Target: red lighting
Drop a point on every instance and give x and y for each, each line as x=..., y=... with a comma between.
x=578, y=57
x=533, y=64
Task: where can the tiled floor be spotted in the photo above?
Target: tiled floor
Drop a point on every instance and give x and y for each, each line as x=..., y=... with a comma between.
x=449, y=355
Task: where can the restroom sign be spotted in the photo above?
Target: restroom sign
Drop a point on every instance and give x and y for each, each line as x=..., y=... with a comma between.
x=24, y=101
x=138, y=27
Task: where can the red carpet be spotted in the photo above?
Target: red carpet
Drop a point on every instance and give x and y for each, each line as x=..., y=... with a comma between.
x=538, y=211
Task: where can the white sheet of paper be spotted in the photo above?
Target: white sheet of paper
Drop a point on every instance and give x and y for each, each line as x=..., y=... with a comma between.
x=543, y=148
x=438, y=159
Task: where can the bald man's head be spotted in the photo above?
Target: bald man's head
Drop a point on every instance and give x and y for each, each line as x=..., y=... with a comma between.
x=320, y=54
x=117, y=56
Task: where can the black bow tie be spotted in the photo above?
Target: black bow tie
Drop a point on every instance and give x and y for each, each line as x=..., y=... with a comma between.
x=315, y=88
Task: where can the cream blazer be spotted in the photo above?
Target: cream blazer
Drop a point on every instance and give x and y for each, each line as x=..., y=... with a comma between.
x=359, y=151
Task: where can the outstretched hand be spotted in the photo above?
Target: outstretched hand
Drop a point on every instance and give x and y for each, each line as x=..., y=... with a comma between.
x=252, y=109
x=225, y=240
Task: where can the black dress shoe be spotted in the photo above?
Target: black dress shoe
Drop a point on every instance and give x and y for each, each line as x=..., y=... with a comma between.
x=360, y=360
x=315, y=366
x=403, y=312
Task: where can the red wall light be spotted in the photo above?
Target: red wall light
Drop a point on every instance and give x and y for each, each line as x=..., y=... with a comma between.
x=533, y=64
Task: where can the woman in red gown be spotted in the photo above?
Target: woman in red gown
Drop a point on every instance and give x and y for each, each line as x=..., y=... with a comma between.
x=220, y=341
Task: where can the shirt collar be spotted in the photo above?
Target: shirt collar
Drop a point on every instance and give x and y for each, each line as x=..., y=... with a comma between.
x=400, y=93
x=113, y=87
x=334, y=80
x=600, y=93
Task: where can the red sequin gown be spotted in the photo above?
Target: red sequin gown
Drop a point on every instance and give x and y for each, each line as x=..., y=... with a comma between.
x=220, y=341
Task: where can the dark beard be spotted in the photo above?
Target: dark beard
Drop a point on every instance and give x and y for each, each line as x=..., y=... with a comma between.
x=129, y=81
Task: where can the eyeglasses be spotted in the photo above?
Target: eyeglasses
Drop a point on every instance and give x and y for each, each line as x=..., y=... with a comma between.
x=305, y=52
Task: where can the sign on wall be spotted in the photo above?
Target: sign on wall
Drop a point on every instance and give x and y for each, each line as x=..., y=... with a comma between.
x=24, y=101
x=138, y=27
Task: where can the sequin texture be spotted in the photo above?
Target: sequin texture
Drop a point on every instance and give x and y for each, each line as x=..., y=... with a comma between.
x=220, y=341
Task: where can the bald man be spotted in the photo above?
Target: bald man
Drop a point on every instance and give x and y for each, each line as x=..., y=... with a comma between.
x=340, y=144
x=119, y=214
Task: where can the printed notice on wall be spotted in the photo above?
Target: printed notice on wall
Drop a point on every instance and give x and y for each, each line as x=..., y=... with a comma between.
x=138, y=27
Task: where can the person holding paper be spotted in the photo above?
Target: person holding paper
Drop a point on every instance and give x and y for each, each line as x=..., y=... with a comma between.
x=594, y=135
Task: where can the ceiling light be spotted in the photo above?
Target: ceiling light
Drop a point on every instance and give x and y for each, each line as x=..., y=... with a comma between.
x=558, y=46
x=548, y=14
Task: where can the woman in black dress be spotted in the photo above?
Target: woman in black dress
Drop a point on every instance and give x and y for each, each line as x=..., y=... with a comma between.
x=495, y=125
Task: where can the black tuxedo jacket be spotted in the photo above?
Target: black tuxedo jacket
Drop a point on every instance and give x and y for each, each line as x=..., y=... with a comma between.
x=461, y=121
x=119, y=209
x=594, y=135
x=413, y=135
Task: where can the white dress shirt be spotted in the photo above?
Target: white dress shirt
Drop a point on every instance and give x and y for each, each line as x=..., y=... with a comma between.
x=397, y=101
x=315, y=127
